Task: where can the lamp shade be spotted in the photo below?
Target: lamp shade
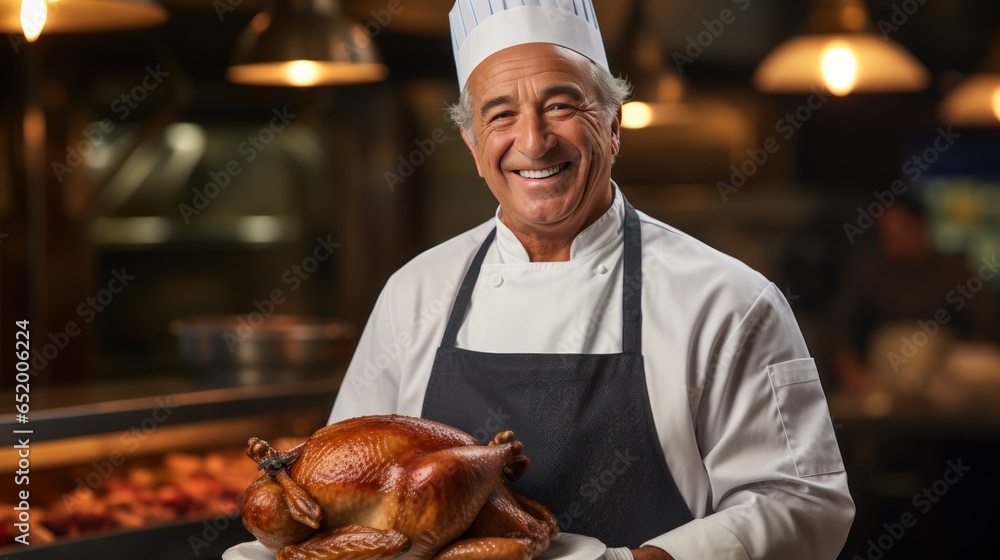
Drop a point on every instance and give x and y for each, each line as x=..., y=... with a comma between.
x=976, y=100
x=841, y=53
x=659, y=92
x=842, y=63
x=305, y=43
x=78, y=16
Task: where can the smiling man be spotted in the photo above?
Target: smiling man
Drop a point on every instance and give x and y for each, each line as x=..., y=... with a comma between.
x=543, y=142
x=662, y=389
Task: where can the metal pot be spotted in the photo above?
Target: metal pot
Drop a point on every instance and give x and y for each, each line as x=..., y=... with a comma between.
x=251, y=349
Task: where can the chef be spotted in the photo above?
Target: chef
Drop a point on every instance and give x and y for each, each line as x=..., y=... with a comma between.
x=662, y=389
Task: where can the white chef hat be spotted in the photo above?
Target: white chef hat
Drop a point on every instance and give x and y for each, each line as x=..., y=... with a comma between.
x=480, y=28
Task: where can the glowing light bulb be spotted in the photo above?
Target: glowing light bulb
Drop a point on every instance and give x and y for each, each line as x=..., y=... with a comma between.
x=996, y=103
x=636, y=114
x=840, y=69
x=303, y=73
x=33, y=16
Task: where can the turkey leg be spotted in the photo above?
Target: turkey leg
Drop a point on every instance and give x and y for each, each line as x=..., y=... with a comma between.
x=444, y=493
x=302, y=507
x=352, y=542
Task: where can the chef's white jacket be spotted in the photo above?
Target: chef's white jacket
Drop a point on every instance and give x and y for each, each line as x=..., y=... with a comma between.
x=737, y=402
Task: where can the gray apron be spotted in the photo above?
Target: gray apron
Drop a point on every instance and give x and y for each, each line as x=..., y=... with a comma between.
x=584, y=419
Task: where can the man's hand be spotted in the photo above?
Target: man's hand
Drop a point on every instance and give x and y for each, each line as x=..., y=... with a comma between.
x=650, y=553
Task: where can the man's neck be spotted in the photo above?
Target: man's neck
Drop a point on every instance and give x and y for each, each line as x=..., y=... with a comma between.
x=552, y=245
x=545, y=248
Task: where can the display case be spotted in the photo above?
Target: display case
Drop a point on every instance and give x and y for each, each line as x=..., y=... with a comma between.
x=106, y=448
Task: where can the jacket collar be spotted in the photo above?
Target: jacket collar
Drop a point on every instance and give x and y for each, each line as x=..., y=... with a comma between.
x=608, y=229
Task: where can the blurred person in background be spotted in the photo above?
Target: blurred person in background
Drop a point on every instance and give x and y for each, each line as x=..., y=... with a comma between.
x=902, y=302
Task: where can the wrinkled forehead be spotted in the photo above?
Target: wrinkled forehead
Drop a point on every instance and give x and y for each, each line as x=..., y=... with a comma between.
x=536, y=66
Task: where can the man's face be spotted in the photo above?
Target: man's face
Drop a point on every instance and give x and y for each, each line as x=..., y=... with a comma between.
x=542, y=145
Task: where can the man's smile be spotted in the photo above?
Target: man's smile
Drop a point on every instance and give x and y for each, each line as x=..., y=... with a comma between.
x=543, y=173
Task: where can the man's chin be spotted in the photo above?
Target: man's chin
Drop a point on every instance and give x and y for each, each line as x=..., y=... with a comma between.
x=539, y=221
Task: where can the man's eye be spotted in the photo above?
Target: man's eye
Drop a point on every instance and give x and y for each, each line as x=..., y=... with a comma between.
x=501, y=116
x=561, y=107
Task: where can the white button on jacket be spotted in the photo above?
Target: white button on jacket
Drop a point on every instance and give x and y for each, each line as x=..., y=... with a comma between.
x=736, y=399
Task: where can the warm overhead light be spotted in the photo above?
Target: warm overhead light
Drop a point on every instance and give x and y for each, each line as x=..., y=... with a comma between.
x=305, y=43
x=77, y=16
x=841, y=53
x=636, y=114
x=33, y=16
x=659, y=90
x=976, y=100
x=303, y=72
x=840, y=68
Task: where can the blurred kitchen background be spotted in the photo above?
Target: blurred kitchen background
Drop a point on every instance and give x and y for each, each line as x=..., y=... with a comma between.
x=151, y=200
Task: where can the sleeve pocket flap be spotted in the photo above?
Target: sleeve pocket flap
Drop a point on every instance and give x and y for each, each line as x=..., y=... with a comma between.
x=805, y=418
x=795, y=371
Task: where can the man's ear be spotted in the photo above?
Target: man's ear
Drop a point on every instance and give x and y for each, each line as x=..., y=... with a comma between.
x=472, y=148
x=616, y=132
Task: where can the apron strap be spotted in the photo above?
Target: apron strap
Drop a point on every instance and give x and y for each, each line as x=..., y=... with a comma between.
x=464, y=296
x=632, y=284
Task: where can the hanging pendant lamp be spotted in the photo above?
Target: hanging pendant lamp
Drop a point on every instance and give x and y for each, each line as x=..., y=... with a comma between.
x=305, y=43
x=34, y=17
x=976, y=100
x=659, y=94
x=841, y=52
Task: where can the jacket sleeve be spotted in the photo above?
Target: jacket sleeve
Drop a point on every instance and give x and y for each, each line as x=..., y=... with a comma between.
x=371, y=384
x=778, y=486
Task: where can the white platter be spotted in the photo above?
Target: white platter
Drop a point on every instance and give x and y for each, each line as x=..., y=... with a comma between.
x=565, y=546
x=570, y=546
x=248, y=551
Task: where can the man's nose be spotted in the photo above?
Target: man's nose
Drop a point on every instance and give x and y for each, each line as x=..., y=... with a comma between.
x=533, y=138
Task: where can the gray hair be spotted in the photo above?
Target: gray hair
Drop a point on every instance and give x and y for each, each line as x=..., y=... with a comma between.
x=612, y=93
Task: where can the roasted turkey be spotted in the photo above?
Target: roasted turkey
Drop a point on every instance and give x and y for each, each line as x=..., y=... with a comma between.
x=385, y=486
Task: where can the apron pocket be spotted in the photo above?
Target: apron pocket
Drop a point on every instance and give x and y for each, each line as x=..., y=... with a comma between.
x=805, y=417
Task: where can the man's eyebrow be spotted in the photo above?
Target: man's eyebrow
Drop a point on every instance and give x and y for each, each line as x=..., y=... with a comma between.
x=496, y=101
x=563, y=89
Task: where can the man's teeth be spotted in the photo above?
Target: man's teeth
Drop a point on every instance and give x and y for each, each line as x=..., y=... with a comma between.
x=542, y=174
